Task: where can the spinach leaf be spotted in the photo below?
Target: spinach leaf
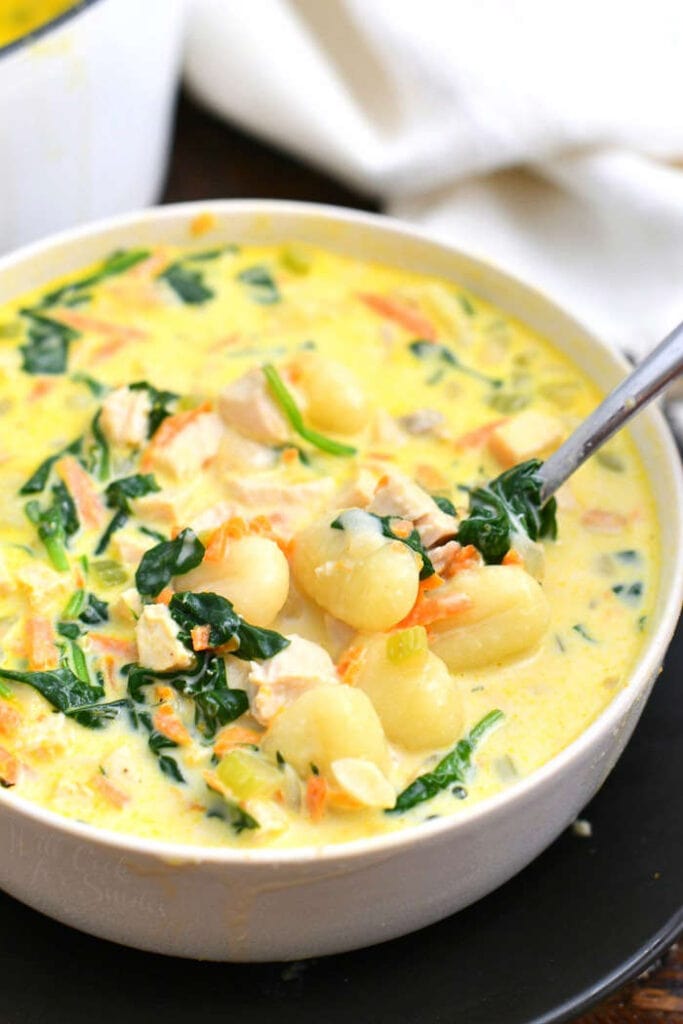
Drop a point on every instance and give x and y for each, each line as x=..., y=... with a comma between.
x=74, y=292
x=160, y=401
x=206, y=684
x=411, y=540
x=168, y=559
x=98, y=463
x=455, y=767
x=66, y=506
x=629, y=593
x=508, y=505
x=261, y=286
x=157, y=742
x=117, y=522
x=47, y=347
x=285, y=400
x=95, y=387
x=435, y=352
x=187, y=284
x=61, y=687
x=445, y=504
x=96, y=716
x=225, y=625
x=37, y=483
x=51, y=532
x=235, y=815
x=95, y=611
x=118, y=495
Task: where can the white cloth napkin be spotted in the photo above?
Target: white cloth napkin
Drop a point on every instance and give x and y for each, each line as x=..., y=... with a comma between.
x=541, y=135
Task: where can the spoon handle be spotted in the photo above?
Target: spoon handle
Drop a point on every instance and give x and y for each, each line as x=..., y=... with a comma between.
x=647, y=381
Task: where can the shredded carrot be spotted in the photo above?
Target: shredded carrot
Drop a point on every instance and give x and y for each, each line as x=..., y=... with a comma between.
x=316, y=797
x=458, y=558
x=513, y=558
x=9, y=768
x=40, y=389
x=235, y=736
x=111, y=793
x=402, y=313
x=202, y=223
x=233, y=529
x=200, y=637
x=169, y=429
x=127, y=649
x=479, y=436
x=83, y=322
x=167, y=721
x=41, y=649
x=600, y=520
x=225, y=341
x=81, y=487
x=350, y=662
x=164, y=596
x=108, y=349
x=10, y=719
x=401, y=528
x=290, y=456
x=342, y=801
x=430, y=608
x=163, y=692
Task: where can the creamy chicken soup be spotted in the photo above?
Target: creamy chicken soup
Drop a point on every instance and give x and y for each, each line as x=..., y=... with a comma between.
x=273, y=567
x=19, y=17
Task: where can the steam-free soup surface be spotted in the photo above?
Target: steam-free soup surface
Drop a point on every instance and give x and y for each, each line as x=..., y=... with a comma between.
x=249, y=592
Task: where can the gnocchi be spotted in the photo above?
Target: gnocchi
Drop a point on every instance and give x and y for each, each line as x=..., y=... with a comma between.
x=256, y=586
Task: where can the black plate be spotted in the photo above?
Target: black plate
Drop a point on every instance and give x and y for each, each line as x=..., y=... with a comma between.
x=581, y=920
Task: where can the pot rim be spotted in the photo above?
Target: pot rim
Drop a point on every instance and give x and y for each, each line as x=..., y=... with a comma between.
x=391, y=843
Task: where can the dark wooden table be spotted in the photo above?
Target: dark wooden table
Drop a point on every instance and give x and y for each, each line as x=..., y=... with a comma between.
x=212, y=160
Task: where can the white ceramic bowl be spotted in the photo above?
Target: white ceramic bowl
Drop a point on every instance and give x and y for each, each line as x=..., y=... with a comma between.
x=85, y=114
x=261, y=905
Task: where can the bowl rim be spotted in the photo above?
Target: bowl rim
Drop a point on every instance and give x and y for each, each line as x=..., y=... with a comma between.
x=391, y=843
x=26, y=40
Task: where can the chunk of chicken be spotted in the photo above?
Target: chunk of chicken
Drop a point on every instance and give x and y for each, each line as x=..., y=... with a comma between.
x=279, y=681
x=128, y=606
x=43, y=584
x=359, y=491
x=289, y=506
x=398, y=495
x=129, y=545
x=125, y=416
x=195, y=444
x=246, y=406
x=238, y=453
x=525, y=436
x=159, y=648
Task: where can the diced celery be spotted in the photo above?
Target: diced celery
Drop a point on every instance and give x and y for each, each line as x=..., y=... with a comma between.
x=296, y=258
x=108, y=572
x=406, y=643
x=247, y=775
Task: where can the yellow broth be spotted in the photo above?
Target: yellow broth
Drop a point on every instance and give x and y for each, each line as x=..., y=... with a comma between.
x=19, y=17
x=448, y=414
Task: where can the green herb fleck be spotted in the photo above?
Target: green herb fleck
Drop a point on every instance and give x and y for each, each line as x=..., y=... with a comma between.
x=454, y=768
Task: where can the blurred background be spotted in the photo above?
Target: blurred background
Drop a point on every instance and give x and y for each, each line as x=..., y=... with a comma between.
x=546, y=137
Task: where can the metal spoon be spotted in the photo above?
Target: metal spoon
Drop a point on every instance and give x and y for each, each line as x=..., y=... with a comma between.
x=647, y=381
